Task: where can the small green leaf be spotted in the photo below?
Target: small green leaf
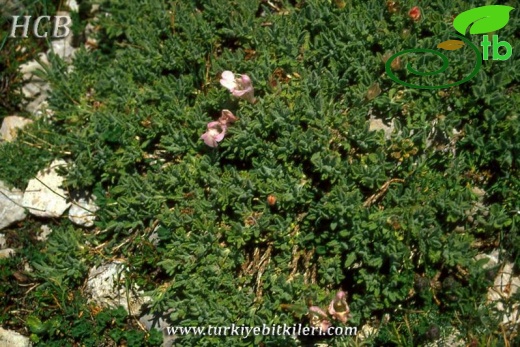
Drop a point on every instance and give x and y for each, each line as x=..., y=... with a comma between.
x=485, y=19
x=35, y=325
x=350, y=259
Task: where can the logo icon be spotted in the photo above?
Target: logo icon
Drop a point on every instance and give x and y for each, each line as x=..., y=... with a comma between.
x=483, y=20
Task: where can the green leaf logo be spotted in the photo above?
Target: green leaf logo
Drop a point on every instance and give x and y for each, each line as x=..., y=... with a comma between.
x=485, y=19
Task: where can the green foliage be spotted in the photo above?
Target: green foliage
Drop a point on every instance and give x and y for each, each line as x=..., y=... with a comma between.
x=394, y=222
x=11, y=53
x=21, y=163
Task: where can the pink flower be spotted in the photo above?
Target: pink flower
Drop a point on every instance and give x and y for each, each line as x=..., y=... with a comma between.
x=217, y=129
x=227, y=117
x=228, y=80
x=214, y=134
x=318, y=318
x=338, y=307
x=241, y=87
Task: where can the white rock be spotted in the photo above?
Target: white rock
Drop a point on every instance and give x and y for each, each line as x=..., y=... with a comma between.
x=6, y=253
x=452, y=340
x=35, y=106
x=63, y=46
x=10, y=338
x=63, y=49
x=38, y=91
x=40, y=108
x=377, y=124
x=480, y=193
x=72, y=5
x=3, y=242
x=30, y=90
x=160, y=322
x=106, y=288
x=154, y=237
x=44, y=196
x=28, y=69
x=82, y=212
x=35, y=87
x=504, y=286
x=11, y=125
x=11, y=203
x=492, y=258
x=45, y=232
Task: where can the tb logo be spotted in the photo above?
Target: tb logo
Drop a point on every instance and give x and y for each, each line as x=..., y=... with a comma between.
x=495, y=45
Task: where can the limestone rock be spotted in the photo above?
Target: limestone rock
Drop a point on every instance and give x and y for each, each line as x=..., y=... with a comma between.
x=6, y=253
x=44, y=196
x=106, y=288
x=44, y=234
x=505, y=286
x=82, y=212
x=493, y=258
x=63, y=49
x=11, y=209
x=452, y=340
x=63, y=46
x=10, y=126
x=72, y=5
x=377, y=124
x=160, y=322
x=10, y=338
x=28, y=69
x=35, y=87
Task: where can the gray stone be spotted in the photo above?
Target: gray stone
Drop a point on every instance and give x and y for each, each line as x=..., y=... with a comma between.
x=106, y=288
x=451, y=340
x=28, y=69
x=63, y=46
x=72, y=5
x=45, y=232
x=377, y=124
x=6, y=253
x=160, y=322
x=9, y=338
x=504, y=287
x=492, y=258
x=44, y=196
x=83, y=212
x=11, y=125
x=11, y=209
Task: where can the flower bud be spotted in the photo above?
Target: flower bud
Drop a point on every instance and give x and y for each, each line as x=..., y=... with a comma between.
x=415, y=13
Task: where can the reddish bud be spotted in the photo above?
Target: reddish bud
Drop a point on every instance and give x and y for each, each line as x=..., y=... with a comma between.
x=415, y=13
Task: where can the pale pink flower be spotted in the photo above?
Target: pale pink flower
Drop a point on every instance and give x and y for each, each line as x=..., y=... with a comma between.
x=217, y=129
x=241, y=87
x=227, y=117
x=338, y=307
x=318, y=318
x=214, y=134
x=228, y=80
